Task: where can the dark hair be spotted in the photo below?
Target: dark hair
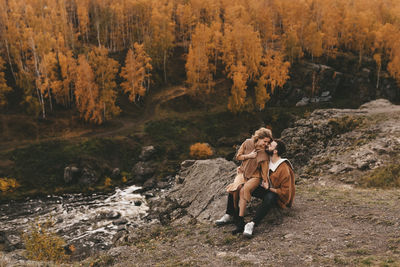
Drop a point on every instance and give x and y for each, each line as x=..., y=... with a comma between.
x=280, y=147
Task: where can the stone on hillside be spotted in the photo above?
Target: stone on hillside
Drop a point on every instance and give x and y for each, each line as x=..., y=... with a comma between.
x=116, y=173
x=203, y=190
x=325, y=94
x=147, y=152
x=88, y=176
x=70, y=173
x=142, y=171
x=303, y=102
x=341, y=168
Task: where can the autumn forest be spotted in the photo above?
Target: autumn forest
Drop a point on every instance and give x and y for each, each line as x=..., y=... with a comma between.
x=80, y=54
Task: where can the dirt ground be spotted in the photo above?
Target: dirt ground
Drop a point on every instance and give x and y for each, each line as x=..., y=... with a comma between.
x=328, y=226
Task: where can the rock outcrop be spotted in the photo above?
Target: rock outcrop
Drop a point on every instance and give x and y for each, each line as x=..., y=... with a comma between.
x=199, y=192
x=339, y=141
x=333, y=142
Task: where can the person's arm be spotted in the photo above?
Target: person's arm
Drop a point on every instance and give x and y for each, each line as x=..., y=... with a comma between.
x=241, y=156
x=283, y=188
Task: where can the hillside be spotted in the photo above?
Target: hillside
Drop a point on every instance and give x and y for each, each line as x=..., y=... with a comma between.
x=342, y=216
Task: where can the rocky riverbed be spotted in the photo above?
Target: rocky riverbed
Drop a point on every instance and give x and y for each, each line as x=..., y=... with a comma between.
x=88, y=222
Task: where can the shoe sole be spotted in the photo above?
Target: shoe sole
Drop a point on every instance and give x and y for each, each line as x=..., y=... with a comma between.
x=222, y=223
x=247, y=235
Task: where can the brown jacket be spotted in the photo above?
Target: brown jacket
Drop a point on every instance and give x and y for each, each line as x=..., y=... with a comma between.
x=249, y=166
x=282, y=179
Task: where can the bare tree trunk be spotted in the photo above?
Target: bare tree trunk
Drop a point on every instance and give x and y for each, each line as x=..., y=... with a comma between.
x=9, y=60
x=40, y=94
x=165, y=62
x=377, y=78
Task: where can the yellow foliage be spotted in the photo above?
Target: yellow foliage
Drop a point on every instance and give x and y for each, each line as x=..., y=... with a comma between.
x=124, y=179
x=136, y=72
x=8, y=184
x=107, y=182
x=44, y=245
x=200, y=151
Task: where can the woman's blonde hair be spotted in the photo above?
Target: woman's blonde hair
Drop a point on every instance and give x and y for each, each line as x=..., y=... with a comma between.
x=262, y=133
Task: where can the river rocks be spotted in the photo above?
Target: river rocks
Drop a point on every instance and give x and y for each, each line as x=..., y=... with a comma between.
x=120, y=221
x=10, y=240
x=113, y=215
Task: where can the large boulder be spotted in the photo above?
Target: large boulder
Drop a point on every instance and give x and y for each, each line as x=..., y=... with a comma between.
x=202, y=191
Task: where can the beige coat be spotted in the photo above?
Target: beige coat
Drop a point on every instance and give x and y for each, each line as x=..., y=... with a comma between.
x=249, y=166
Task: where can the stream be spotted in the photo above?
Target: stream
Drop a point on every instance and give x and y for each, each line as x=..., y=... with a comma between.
x=88, y=222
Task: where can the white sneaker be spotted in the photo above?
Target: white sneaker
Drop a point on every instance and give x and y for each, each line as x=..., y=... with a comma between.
x=224, y=220
x=248, y=229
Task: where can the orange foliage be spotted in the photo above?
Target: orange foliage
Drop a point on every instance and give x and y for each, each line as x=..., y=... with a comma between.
x=200, y=151
x=199, y=67
x=42, y=40
x=4, y=88
x=136, y=72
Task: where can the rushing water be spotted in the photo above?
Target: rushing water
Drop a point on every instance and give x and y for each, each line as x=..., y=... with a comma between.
x=87, y=222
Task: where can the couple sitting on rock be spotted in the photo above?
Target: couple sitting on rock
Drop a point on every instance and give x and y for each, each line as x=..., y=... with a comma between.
x=263, y=174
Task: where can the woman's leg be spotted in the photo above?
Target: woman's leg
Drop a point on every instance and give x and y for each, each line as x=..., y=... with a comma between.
x=242, y=202
x=245, y=194
x=236, y=196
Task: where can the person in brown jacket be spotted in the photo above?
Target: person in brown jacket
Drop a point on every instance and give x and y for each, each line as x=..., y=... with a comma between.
x=252, y=171
x=279, y=191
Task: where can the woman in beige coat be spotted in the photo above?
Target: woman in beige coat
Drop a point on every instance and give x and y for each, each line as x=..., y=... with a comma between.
x=252, y=171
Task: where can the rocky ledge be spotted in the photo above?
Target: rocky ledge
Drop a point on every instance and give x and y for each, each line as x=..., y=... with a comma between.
x=344, y=142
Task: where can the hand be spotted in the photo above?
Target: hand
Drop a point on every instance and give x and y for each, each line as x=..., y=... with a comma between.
x=273, y=190
x=251, y=155
x=265, y=185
